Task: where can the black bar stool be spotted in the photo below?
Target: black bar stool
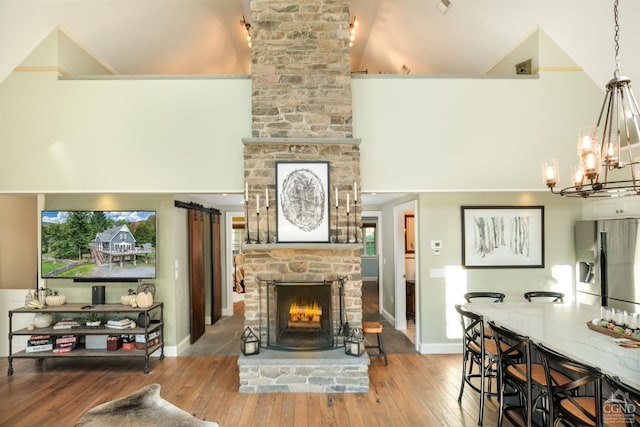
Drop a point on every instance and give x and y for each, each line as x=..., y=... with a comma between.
x=579, y=401
x=546, y=295
x=519, y=373
x=495, y=296
x=480, y=352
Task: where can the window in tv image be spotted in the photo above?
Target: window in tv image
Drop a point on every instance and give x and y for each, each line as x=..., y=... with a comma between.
x=98, y=244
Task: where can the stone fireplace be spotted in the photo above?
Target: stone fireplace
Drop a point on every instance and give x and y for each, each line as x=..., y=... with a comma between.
x=301, y=111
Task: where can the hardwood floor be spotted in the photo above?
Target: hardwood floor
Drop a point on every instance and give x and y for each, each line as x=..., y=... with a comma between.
x=413, y=390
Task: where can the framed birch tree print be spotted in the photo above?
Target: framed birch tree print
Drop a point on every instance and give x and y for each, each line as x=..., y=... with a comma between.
x=502, y=236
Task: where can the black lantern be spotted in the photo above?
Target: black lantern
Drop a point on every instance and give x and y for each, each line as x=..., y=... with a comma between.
x=354, y=344
x=249, y=342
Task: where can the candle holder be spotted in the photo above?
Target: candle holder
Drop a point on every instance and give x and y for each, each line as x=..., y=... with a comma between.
x=246, y=215
x=336, y=229
x=268, y=232
x=258, y=232
x=355, y=220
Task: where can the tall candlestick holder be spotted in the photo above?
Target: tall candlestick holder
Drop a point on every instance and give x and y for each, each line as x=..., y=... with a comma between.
x=268, y=232
x=258, y=232
x=336, y=228
x=355, y=220
x=246, y=215
x=347, y=239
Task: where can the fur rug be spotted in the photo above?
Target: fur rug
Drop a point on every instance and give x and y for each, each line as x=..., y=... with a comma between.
x=142, y=408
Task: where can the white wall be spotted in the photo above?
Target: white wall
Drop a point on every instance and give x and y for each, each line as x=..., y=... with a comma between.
x=431, y=134
x=172, y=136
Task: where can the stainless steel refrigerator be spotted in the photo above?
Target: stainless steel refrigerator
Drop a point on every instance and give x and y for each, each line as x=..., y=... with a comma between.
x=608, y=268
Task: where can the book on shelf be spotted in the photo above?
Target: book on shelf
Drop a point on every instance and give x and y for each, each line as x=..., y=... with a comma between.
x=38, y=348
x=66, y=345
x=39, y=337
x=119, y=321
x=152, y=335
x=119, y=326
x=66, y=324
x=35, y=340
x=62, y=350
x=66, y=339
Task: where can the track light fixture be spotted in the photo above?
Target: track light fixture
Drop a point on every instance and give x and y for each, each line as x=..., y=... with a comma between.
x=353, y=24
x=247, y=30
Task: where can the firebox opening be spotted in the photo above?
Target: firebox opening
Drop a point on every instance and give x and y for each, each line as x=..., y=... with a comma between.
x=303, y=316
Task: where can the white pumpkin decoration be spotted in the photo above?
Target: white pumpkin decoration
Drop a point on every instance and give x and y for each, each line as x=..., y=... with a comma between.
x=126, y=299
x=144, y=299
x=42, y=320
x=54, y=300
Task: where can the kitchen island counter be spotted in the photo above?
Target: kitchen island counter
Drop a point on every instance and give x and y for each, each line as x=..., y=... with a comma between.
x=563, y=327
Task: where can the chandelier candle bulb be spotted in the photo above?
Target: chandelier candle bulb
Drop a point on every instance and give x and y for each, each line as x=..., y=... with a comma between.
x=578, y=176
x=613, y=150
x=550, y=172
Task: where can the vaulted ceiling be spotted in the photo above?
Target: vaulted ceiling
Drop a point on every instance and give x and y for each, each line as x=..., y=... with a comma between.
x=179, y=37
x=205, y=36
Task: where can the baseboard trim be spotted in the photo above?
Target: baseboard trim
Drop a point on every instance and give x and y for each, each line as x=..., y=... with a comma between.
x=388, y=316
x=182, y=346
x=440, y=348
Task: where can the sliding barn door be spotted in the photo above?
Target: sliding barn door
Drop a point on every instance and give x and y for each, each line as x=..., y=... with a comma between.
x=196, y=273
x=216, y=276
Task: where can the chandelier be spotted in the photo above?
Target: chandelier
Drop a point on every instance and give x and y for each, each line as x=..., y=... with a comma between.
x=607, y=166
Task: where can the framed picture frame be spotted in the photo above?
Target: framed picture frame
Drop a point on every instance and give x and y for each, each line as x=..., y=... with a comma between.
x=302, y=195
x=502, y=236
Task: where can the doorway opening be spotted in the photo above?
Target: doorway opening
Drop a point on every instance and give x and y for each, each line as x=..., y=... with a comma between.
x=236, y=234
x=406, y=252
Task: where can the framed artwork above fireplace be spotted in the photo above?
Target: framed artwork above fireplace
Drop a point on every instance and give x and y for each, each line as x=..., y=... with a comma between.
x=302, y=195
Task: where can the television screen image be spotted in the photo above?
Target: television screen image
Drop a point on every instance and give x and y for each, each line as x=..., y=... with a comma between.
x=98, y=245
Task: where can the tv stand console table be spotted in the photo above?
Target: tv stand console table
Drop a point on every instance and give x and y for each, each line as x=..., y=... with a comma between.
x=150, y=346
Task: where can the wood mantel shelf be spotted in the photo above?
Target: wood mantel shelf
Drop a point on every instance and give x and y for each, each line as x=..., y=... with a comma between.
x=298, y=141
x=303, y=246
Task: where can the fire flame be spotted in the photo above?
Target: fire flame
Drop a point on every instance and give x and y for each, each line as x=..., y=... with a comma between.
x=306, y=312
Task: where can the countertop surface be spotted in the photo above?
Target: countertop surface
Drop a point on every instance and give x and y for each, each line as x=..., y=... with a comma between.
x=563, y=327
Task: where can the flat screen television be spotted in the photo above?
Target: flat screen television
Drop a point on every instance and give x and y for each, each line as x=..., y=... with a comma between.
x=98, y=246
